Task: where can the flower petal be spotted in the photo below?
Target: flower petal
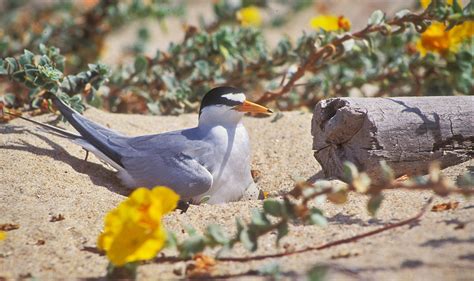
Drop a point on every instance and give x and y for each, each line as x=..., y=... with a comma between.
x=326, y=22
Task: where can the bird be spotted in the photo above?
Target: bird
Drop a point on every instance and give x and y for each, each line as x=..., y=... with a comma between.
x=209, y=163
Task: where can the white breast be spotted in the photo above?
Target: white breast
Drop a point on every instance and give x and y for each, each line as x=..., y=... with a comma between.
x=231, y=164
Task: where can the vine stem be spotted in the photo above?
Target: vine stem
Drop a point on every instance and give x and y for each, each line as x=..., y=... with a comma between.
x=329, y=50
x=336, y=242
x=351, y=239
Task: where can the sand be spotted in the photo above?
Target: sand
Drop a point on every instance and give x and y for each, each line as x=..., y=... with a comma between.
x=43, y=176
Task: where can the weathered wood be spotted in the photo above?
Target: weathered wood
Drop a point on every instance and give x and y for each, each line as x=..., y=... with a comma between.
x=407, y=132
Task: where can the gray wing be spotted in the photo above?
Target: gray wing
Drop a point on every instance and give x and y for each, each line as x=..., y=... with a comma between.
x=171, y=159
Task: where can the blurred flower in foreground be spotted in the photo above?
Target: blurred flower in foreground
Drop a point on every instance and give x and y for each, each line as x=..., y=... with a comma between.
x=249, y=16
x=426, y=3
x=133, y=231
x=330, y=23
x=3, y=235
x=437, y=39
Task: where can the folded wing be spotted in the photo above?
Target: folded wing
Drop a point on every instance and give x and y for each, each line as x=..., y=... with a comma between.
x=169, y=159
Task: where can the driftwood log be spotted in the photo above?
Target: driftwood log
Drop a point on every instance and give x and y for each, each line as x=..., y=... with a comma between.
x=407, y=132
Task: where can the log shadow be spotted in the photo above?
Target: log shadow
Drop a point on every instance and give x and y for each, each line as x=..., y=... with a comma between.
x=98, y=174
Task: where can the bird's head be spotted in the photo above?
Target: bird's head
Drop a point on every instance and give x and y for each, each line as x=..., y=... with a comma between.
x=226, y=106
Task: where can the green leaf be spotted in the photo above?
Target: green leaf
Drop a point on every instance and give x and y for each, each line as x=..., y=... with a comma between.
x=239, y=224
x=259, y=218
x=3, y=70
x=194, y=244
x=154, y=107
x=26, y=58
x=141, y=64
x=466, y=180
x=374, y=203
x=318, y=273
x=348, y=44
x=437, y=8
x=468, y=9
x=12, y=65
x=387, y=172
x=191, y=230
x=248, y=239
x=44, y=61
x=94, y=99
x=402, y=13
x=9, y=99
x=282, y=231
x=362, y=183
x=50, y=73
x=456, y=7
x=274, y=208
x=272, y=269
x=225, y=52
x=203, y=68
x=19, y=76
x=216, y=233
x=171, y=240
x=76, y=103
x=170, y=82
x=350, y=171
x=316, y=217
x=376, y=18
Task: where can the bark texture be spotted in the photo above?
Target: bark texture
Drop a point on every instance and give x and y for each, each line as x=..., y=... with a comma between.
x=407, y=132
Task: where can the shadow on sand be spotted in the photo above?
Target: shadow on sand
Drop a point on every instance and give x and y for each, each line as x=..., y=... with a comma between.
x=98, y=174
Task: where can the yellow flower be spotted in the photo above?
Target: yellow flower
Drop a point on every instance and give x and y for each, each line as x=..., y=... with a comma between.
x=133, y=231
x=3, y=235
x=426, y=3
x=330, y=23
x=437, y=39
x=249, y=16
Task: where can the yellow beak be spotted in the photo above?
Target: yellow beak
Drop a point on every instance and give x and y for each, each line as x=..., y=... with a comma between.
x=252, y=107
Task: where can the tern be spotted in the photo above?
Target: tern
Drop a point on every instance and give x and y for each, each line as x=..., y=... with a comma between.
x=208, y=163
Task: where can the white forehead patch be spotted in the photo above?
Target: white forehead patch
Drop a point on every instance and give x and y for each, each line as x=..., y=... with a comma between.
x=240, y=97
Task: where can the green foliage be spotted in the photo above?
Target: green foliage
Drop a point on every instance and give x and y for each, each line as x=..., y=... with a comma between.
x=43, y=73
x=374, y=203
x=176, y=79
x=77, y=28
x=272, y=270
x=325, y=64
x=318, y=273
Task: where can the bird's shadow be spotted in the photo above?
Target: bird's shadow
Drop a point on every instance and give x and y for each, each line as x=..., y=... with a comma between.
x=98, y=174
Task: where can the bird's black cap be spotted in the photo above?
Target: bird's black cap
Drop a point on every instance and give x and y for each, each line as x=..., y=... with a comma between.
x=215, y=97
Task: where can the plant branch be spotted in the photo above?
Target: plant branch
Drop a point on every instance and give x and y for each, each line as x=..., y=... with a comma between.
x=330, y=50
x=337, y=242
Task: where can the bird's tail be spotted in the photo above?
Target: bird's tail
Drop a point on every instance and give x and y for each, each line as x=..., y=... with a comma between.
x=92, y=133
x=92, y=136
x=50, y=128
